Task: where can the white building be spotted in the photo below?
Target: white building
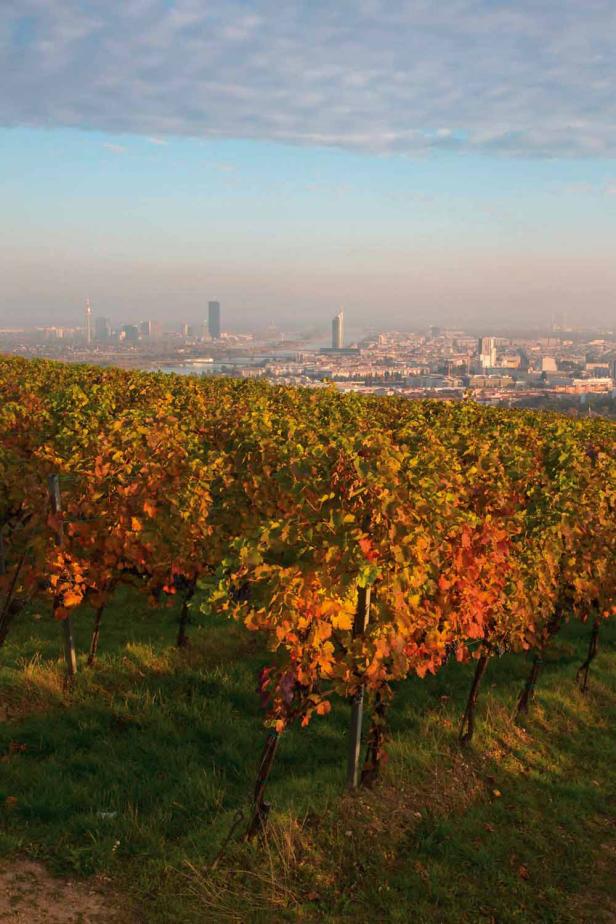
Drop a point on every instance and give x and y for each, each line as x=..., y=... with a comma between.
x=487, y=352
x=338, y=331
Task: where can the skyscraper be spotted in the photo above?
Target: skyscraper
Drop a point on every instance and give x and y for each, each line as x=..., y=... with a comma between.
x=150, y=328
x=487, y=352
x=102, y=329
x=131, y=333
x=338, y=331
x=88, y=328
x=213, y=320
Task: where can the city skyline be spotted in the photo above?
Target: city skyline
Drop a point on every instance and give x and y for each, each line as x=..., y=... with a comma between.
x=563, y=369
x=97, y=327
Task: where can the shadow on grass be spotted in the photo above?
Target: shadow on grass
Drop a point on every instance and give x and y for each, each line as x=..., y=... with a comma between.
x=141, y=768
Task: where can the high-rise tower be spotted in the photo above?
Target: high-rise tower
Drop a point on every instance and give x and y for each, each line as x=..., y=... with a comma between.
x=89, y=329
x=338, y=331
x=102, y=330
x=487, y=352
x=213, y=320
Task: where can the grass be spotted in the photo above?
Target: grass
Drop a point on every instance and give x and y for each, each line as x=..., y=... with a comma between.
x=139, y=771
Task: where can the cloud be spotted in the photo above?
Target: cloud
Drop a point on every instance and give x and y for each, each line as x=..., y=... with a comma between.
x=220, y=166
x=584, y=188
x=157, y=141
x=496, y=77
x=115, y=148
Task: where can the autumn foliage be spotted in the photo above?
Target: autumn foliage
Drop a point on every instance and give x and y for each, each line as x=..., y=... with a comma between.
x=472, y=526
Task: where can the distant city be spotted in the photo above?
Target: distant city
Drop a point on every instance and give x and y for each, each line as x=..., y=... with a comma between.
x=560, y=368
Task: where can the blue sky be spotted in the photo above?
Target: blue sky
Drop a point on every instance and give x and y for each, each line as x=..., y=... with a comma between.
x=416, y=162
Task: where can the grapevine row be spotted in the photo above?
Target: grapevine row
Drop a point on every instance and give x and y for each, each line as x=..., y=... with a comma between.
x=367, y=539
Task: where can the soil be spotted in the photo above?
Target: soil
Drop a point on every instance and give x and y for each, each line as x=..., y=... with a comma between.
x=30, y=895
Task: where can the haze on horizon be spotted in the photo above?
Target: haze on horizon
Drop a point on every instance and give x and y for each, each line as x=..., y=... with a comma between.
x=449, y=163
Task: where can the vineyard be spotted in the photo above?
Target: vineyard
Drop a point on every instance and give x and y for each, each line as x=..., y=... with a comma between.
x=355, y=547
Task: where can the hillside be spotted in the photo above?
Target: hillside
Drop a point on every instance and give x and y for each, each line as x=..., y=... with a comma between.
x=214, y=556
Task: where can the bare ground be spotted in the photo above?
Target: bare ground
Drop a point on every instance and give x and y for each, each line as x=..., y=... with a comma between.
x=30, y=895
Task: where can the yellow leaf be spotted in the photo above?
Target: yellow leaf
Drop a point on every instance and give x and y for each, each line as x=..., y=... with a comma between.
x=341, y=614
x=320, y=632
x=342, y=620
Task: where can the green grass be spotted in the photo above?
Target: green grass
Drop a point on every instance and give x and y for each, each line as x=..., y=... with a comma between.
x=137, y=773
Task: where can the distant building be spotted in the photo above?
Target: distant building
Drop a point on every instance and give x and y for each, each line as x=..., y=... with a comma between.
x=344, y=351
x=88, y=328
x=213, y=320
x=150, y=329
x=548, y=364
x=130, y=333
x=592, y=384
x=428, y=381
x=524, y=360
x=490, y=381
x=510, y=362
x=338, y=331
x=487, y=352
x=599, y=369
x=102, y=330
x=55, y=333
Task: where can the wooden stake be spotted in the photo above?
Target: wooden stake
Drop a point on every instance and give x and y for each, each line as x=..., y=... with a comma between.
x=70, y=657
x=362, y=617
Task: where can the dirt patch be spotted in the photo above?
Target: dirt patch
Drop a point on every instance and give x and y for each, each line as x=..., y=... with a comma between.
x=29, y=895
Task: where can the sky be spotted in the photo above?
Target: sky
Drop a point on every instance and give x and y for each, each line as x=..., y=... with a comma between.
x=416, y=162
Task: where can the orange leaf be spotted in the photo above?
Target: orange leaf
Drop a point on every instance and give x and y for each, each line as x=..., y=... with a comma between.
x=367, y=549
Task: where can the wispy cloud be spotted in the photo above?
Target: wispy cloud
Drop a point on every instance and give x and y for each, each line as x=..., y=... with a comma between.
x=115, y=148
x=220, y=166
x=512, y=77
x=585, y=188
x=157, y=141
